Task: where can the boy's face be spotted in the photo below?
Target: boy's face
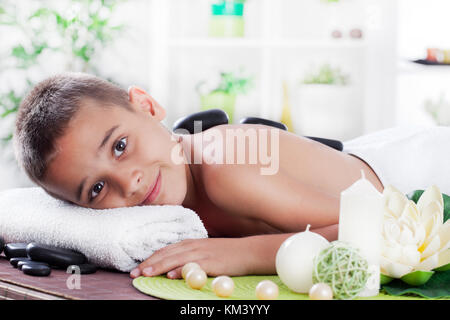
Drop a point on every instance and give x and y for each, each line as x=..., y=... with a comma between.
x=111, y=157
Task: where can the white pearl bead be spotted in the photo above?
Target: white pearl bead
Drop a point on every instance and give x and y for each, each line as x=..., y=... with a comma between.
x=266, y=290
x=321, y=291
x=223, y=286
x=188, y=267
x=196, y=278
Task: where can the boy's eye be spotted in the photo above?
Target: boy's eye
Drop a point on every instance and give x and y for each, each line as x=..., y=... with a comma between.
x=97, y=189
x=120, y=147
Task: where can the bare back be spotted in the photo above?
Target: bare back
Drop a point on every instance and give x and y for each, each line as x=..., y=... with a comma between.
x=236, y=199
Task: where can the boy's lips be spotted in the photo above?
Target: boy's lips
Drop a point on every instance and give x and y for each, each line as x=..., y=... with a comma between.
x=153, y=191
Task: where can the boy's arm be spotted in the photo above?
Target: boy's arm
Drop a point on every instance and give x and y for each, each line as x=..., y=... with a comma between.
x=266, y=247
x=221, y=256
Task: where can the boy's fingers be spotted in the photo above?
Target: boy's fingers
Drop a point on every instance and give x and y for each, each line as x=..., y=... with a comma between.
x=157, y=255
x=175, y=274
x=162, y=266
x=172, y=249
x=135, y=273
x=162, y=254
x=177, y=249
x=171, y=263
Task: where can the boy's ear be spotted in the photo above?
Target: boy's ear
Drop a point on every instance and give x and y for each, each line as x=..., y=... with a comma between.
x=143, y=102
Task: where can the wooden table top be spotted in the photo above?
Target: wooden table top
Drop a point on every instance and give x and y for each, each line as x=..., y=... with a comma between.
x=102, y=285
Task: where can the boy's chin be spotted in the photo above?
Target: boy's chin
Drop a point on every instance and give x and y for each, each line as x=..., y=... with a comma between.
x=171, y=200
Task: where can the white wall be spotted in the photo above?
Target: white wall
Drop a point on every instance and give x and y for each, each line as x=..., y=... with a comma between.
x=421, y=24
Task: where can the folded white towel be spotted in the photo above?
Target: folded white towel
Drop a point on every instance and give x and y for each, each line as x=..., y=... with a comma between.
x=118, y=238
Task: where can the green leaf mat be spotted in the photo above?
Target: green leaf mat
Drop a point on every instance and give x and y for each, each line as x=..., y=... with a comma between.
x=177, y=289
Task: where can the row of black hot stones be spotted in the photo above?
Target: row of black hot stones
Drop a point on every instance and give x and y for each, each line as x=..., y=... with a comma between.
x=38, y=260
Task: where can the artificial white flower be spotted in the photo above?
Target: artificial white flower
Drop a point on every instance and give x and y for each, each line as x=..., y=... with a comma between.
x=414, y=236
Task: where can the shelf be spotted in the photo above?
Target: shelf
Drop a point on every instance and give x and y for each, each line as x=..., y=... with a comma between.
x=263, y=43
x=407, y=67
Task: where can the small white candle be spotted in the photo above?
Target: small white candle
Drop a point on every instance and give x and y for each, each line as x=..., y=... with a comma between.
x=360, y=219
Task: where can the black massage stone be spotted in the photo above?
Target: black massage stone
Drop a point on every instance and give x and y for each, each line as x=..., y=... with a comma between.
x=16, y=250
x=2, y=244
x=38, y=269
x=20, y=264
x=254, y=120
x=54, y=256
x=15, y=261
x=209, y=118
x=335, y=144
x=215, y=117
x=85, y=268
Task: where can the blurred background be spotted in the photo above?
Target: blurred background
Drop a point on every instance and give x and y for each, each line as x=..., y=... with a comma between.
x=329, y=68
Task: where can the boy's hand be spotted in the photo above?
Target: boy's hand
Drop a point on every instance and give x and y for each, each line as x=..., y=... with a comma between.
x=216, y=256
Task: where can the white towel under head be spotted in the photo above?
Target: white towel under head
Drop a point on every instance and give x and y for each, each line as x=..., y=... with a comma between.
x=118, y=238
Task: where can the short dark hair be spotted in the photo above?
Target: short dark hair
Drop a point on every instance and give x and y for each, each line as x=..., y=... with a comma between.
x=46, y=111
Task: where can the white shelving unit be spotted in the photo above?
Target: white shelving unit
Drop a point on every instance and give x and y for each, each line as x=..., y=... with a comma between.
x=280, y=44
x=240, y=43
x=421, y=25
x=416, y=84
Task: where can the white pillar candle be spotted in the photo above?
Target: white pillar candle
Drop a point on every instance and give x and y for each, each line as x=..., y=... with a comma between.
x=360, y=220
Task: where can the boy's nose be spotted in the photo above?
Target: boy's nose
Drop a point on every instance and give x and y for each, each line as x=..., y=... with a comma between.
x=130, y=183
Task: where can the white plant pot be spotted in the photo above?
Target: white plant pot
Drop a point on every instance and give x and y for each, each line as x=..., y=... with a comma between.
x=328, y=111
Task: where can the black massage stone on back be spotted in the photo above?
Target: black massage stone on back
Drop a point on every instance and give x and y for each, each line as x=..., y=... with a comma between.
x=54, y=256
x=209, y=118
x=36, y=269
x=215, y=117
x=335, y=144
x=271, y=123
x=2, y=244
x=16, y=250
x=85, y=268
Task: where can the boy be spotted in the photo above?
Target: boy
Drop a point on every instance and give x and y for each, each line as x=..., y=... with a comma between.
x=89, y=142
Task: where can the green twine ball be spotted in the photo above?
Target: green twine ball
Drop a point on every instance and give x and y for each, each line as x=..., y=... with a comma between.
x=341, y=267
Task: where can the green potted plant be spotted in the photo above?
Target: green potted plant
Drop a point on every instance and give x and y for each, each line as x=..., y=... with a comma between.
x=224, y=95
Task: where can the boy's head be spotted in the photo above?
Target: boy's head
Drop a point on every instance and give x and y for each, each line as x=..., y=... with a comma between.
x=88, y=141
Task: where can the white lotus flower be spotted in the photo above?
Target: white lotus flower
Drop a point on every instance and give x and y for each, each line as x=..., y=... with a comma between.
x=414, y=236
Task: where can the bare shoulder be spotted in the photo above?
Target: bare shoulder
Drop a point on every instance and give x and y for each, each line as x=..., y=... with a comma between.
x=232, y=187
x=237, y=158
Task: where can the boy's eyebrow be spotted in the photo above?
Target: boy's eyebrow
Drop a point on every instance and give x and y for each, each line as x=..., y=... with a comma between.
x=80, y=189
x=108, y=134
